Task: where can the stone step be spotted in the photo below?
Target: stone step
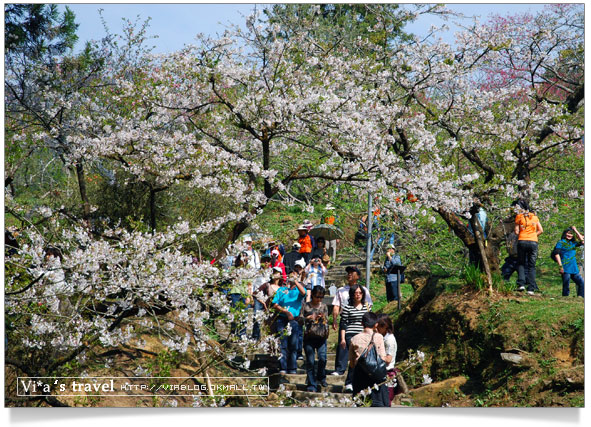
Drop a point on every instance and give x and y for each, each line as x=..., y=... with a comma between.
x=303, y=387
x=262, y=358
x=322, y=396
x=300, y=379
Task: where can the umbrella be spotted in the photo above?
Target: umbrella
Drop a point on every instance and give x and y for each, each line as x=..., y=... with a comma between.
x=328, y=231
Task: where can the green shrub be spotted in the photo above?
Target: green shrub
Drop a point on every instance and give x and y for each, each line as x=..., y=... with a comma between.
x=473, y=277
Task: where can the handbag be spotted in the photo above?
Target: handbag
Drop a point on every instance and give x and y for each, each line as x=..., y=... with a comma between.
x=372, y=364
x=317, y=330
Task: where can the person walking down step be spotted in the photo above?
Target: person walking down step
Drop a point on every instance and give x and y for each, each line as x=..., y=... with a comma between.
x=566, y=249
x=290, y=258
x=307, y=243
x=350, y=326
x=359, y=343
x=386, y=329
x=316, y=331
x=340, y=300
x=288, y=302
x=315, y=272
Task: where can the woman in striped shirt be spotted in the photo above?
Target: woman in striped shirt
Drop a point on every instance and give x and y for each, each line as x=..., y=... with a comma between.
x=351, y=323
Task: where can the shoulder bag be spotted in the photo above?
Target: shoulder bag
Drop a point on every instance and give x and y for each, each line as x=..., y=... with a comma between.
x=372, y=364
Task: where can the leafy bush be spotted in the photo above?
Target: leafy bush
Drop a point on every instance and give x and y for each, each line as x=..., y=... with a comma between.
x=473, y=277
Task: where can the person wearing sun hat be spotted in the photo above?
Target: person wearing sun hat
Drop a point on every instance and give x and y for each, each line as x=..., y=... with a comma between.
x=254, y=260
x=307, y=243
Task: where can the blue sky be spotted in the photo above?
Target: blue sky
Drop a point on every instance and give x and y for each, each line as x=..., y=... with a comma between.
x=177, y=24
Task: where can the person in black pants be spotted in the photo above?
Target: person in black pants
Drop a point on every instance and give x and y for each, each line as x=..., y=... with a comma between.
x=379, y=395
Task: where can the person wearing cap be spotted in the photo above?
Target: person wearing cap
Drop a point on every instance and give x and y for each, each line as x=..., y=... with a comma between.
x=306, y=242
x=288, y=302
x=254, y=260
x=290, y=258
x=340, y=300
x=392, y=259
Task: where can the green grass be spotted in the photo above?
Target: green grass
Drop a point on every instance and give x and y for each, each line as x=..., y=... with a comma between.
x=378, y=292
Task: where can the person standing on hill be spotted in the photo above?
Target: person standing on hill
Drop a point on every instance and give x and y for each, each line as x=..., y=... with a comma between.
x=567, y=261
x=254, y=260
x=392, y=259
x=527, y=228
x=276, y=262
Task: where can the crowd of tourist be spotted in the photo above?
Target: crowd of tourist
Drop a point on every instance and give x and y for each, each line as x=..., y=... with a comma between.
x=291, y=287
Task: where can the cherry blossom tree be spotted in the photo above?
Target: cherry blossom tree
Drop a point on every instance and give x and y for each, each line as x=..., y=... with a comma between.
x=246, y=116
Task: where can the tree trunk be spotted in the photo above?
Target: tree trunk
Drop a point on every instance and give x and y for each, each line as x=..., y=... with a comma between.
x=83, y=194
x=153, y=210
x=495, y=238
x=479, y=237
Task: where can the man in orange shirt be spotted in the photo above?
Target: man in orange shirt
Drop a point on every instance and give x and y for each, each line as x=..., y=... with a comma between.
x=306, y=242
x=528, y=228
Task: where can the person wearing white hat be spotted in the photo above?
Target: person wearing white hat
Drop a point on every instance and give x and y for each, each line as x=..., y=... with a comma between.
x=254, y=260
x=307, y=243
x=275, y=262
x=290, y=258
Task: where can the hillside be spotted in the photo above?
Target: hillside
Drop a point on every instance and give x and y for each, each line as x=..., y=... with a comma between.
x=498, y=350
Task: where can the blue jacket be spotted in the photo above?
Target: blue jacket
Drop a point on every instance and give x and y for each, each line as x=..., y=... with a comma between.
x=568, y=252
x=388, y=264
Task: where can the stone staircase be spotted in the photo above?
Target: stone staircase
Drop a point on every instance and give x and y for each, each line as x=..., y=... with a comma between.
x=296, y=383
x=337, y=273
